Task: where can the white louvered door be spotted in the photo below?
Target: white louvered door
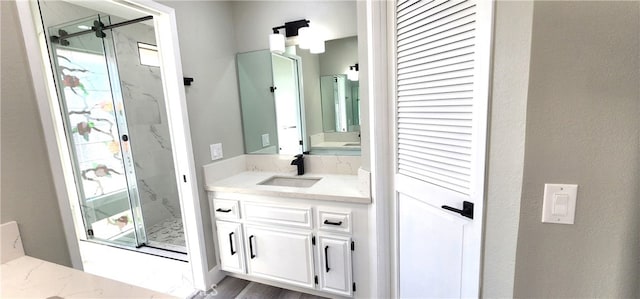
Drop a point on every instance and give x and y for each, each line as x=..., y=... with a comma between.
x=442, y=59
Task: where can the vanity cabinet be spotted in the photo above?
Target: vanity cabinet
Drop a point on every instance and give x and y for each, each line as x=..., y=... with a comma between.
x=280, y=242
x=334, y=254
x=280, y=255
x=231, y=249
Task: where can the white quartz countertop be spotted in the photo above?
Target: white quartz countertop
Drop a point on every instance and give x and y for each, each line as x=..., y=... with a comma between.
x=28, y=277
x=334, y=187
x=353, y=145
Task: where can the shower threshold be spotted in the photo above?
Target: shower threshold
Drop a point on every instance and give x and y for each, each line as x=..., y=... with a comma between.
x=146, y=249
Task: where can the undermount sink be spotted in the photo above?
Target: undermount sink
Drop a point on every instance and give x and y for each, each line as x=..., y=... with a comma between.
x=287, y=181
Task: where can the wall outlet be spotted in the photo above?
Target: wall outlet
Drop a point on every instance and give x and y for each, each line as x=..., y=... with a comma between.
x=216, y=151
x=265, y=140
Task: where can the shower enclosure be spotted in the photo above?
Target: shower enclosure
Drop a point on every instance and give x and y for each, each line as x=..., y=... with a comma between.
x=108, y=79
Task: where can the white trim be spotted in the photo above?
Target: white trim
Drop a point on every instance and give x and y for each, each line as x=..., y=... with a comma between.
x=380, y=133
x=171, y=72
x=391, y=107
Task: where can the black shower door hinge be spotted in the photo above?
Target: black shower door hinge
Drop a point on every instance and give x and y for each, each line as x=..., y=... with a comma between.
x=272, y=88
x=313, y=240
x=315, y=279
x=98, y=27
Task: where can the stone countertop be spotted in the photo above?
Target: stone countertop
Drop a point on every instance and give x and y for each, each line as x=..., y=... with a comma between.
x=337, y=144
x=28, y=277
x=333, y=187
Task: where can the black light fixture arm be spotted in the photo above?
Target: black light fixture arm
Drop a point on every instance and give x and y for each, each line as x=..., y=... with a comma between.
x=291, y=28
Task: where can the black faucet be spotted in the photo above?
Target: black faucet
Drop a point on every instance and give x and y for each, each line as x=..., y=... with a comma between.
x=299, y=161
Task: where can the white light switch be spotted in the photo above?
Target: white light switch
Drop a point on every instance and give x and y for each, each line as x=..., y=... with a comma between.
x=559, y=203
x=265, y=140
x=216, y=151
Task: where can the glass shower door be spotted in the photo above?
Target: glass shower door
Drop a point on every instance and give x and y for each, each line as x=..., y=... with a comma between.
x=96, y=129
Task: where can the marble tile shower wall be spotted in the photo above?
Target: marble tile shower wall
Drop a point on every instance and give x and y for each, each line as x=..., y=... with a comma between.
x=148, y=126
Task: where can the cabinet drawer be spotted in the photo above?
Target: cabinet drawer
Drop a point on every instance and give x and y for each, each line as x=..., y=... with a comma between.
x=290, y=216
x=334, y=221
x=226, y=209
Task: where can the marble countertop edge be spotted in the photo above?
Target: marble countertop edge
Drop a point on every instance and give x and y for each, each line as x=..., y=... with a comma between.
x=332, y=187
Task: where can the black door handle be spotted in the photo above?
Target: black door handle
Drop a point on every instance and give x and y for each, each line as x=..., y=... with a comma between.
x=332, y=223
x=231, y=243
x=467, y=209
x=223, y=211
x=251, y=247
x=326, y=258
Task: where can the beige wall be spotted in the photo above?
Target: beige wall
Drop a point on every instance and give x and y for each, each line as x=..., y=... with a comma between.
x=583, y=127
x=28, y=194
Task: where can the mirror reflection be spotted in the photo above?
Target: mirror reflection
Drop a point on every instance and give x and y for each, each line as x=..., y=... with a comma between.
x=270, y=100
x=340, y=104
x=299, y=102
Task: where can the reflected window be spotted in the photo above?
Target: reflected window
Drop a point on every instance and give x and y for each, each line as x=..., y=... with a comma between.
x=148, y=54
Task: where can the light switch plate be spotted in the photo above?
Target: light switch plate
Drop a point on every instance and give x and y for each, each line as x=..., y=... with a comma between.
x=559, y=203
x=265, y=140
x=216, y=151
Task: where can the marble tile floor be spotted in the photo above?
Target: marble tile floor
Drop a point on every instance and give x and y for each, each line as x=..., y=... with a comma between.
x=234, y=288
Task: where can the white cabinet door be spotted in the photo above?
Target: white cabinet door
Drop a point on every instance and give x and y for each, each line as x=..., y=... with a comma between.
x=279, y=255
x=230, y=246
x=334, y=266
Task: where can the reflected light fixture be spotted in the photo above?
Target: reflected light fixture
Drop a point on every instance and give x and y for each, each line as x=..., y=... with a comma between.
x=352, y=74
x=306, y=37
x=276, y=42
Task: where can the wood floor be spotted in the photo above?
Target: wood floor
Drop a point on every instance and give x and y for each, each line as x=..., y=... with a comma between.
x=234, y=288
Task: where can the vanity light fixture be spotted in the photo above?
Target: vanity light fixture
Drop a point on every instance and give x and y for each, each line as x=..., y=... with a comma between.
x=306, y=37
x=352, y=74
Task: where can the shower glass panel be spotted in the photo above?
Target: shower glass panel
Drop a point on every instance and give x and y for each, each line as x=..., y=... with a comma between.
x=96, y=128
x=117, y=127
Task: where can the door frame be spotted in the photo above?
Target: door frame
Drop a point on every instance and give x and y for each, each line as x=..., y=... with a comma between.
x=57, y=145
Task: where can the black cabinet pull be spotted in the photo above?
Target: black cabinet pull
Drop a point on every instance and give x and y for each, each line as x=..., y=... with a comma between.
x=467, y=209
x=332, y=223
x=231, y=243
x=251, y=247
x=326, y=258
x=223, y=211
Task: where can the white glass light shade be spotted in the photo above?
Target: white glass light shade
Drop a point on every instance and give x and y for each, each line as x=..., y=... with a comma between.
x=317, y=46
x=352, y=75
x=276, y=43
x=305, y=36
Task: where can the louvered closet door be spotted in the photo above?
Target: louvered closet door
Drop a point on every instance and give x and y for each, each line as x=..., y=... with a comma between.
x=442, y=53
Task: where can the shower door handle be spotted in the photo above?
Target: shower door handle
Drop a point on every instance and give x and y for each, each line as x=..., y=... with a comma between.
x=231, y=243
x=251, y=247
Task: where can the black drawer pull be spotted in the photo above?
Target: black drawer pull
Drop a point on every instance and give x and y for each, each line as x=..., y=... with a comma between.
x=326, y=258
x=251, y=247
x=333, y=223
x=223, y=211
x=231, y=243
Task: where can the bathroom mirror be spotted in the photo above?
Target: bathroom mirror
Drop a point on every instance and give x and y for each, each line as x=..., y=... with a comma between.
x=309, y=122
